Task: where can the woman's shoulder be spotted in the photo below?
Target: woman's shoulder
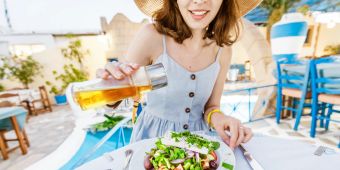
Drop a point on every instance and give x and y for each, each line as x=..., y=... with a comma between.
x=150, y=38
x=146, y=45
x=149, y=33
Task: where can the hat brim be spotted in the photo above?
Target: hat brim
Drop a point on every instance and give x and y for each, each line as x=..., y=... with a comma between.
x=148, y=7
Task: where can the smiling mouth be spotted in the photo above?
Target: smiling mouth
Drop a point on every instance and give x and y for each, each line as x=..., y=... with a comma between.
x=198, y=14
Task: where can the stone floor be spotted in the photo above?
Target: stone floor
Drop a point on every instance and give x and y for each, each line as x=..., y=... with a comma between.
x=47, y=131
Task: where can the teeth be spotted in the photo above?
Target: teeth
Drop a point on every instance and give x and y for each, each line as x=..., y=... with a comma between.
x=198, y=12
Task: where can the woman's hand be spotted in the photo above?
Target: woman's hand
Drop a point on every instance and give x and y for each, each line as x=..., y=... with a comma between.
x=117, y=70
x=238, y=133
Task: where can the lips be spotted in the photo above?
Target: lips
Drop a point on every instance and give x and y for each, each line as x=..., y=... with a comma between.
x=198, y=14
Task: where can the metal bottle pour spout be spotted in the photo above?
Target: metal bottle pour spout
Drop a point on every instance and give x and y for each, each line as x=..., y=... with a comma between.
x=157, y=76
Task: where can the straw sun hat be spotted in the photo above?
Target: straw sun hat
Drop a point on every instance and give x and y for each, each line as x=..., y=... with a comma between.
x=148, y=7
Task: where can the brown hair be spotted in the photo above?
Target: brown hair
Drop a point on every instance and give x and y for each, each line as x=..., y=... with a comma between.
x=224, y=28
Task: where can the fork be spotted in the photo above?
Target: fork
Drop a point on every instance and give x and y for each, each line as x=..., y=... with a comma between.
x=128, y=155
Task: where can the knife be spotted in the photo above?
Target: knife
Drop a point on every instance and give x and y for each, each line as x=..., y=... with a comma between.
x=252, y=162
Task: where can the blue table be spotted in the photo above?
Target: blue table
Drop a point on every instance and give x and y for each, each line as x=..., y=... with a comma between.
x=8, y=120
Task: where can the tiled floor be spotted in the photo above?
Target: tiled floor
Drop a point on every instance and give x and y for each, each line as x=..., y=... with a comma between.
x=329, y=138
x=47, y=131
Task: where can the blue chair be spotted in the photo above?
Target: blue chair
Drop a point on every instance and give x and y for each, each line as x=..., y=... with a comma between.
x=325, y=90
x=287, y=38
x=295, y=86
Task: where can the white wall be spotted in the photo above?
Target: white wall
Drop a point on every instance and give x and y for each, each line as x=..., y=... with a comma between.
x=46, y=39
x=4, y=48
x=52, y=59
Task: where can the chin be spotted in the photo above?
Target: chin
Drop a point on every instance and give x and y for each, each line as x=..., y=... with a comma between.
x=197, y=26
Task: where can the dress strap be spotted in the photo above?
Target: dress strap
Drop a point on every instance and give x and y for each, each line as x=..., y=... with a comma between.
x=164, y=45
x=218, y=54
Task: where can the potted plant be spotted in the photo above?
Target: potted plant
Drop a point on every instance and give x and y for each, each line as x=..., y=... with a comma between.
x=73, y=52
x=59, y=95
x=23, y=70
x=71, y=74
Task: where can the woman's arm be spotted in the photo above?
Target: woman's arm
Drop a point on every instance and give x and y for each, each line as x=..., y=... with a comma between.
x=221, y=122
x=146, y=45
x=215, y=98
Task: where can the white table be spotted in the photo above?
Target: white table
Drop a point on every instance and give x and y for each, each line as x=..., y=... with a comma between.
x=272, y=153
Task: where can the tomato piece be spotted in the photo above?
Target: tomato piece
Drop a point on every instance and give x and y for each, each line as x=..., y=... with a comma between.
x=214, y=155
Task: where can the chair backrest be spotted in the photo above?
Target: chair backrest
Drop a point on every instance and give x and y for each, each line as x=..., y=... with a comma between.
x=43, y=92
x=12, y=98
x=17, y=88
x=325, y=75
x=288, y=36
x=290, y=79
x=7, y=95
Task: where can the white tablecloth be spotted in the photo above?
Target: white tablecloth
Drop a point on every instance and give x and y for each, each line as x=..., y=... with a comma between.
x=26, y=94
x=272, y=153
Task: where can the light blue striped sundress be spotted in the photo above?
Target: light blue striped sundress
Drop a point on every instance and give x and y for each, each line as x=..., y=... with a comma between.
x=180, y=105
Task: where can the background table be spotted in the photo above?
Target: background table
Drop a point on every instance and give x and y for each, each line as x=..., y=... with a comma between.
x=13, y=113
x=271, y=152
x=325, y=70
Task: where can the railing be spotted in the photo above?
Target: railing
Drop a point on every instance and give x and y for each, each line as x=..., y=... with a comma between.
x=242, y=103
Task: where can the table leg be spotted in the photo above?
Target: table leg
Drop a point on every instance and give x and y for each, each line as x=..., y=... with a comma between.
x=289, y=104
x=284, y=103
x=3, y=148
x=2, y=135
x=26, y=138
x=21, y=140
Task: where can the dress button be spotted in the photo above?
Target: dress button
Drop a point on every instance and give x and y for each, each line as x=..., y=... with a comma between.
x=187, y=110
x=193, y=76
x=185, y=126
x=191, y=94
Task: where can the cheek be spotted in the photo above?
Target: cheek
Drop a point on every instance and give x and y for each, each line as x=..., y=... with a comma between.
x=216, y=6
x=182, y=6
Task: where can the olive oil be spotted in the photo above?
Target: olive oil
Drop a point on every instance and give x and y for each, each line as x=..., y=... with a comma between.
x=98, y=97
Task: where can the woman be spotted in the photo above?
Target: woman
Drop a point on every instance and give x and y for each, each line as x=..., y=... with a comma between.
x=192, y=39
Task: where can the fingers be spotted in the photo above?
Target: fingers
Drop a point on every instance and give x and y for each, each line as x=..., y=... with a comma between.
x=126, y=68
x=101, y=73
x=120, y=70
x=114, y=70
x=134, y=65
x=237, y=132
x=234, y=134
x=248, y=134
x=240, y=135
x=223, y=135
